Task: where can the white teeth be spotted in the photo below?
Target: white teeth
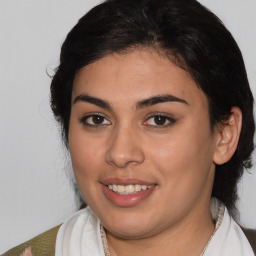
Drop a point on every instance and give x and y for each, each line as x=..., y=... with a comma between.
x=120, y=189
x=129, y=189
x=114, y=188
x=137, y=187
x=144, y=187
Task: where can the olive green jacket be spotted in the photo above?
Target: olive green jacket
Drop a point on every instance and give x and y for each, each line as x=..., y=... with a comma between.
x=44, y=244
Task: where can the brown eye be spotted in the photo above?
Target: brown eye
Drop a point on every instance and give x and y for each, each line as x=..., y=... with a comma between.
x=159, y=121
x=95, y=120
x=98, y=119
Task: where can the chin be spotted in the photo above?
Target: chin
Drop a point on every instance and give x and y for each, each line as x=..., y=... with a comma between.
x=129, y=227
x=130, y=234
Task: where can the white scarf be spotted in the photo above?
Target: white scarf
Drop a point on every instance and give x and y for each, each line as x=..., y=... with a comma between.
x=80, y=236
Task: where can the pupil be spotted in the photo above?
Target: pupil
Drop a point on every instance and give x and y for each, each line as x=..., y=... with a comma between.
x=97, y=119
x=160, y=120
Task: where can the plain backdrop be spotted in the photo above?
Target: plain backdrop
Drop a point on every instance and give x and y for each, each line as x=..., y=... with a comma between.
x=36, y=192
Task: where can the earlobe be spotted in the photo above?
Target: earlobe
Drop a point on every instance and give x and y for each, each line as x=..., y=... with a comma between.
x=228, y=137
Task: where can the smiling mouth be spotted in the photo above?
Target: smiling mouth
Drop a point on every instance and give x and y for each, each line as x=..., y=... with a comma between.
x=128, y=189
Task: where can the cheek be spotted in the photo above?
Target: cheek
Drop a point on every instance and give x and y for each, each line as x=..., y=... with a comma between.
x=184, y=168
x=184, y=155
x=87, y=164
x=86, y=154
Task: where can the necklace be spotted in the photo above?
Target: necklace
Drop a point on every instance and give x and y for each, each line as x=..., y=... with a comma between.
x=104, y=241
x=217, y=211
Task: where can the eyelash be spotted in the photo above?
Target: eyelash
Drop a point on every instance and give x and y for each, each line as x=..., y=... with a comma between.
x=166, y=118
x=84, y=120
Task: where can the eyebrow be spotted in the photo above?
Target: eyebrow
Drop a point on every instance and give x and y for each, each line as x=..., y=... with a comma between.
x=159, y=99
x=96, y=101
x=141, y=104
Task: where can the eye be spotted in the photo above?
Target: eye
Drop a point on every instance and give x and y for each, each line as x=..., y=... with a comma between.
x=95, y=120
x=159, y=120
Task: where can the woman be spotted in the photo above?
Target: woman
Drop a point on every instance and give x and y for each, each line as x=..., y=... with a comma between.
x=157, y=113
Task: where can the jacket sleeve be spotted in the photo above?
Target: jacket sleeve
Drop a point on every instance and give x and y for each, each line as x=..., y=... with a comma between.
x=251, y=236
x=42, y=245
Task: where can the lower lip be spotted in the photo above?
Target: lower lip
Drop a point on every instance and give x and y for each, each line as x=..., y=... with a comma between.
x=127, y=200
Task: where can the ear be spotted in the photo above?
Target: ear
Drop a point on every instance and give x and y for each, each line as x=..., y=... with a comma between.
x=228, y=137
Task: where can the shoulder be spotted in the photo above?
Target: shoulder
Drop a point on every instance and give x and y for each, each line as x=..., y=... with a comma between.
x=251, y=236
x=246, y=238
x=42, y=245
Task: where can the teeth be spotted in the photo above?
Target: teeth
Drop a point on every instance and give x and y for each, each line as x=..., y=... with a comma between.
x=144, y=187
x=120, y=189
x=137, y=188
x=129, y=189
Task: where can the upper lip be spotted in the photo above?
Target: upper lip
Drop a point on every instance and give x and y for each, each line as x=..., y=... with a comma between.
x=125, y=181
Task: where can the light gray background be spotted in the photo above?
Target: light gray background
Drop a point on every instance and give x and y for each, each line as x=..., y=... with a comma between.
x=35, y=191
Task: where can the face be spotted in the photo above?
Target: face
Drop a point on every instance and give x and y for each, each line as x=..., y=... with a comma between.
x=141, y=144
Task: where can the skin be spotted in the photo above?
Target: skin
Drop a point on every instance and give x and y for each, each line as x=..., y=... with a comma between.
x=178, y=156
x=27, y=252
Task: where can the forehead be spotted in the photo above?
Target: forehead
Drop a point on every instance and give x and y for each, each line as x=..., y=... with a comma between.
x=136, y=75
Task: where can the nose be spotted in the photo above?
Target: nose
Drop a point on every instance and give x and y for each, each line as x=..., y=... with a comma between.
x=124, y=148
